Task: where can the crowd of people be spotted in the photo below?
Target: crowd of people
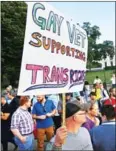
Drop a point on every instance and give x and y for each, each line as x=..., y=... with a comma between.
x=90, y=119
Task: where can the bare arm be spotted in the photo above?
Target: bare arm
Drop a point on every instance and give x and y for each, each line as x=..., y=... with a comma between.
x=18, y=134
x=42, y=117
x=15, y=124
x=5, y=116
x=106, y=97
x=53, y=112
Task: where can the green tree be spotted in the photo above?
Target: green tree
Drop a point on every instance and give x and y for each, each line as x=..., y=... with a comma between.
x=93, y=33
x=106, y=49
x=109, y=48
x=13, y=21
x=97, y=52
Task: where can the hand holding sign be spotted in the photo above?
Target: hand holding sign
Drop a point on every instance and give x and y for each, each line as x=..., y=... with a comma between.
x=61, y=135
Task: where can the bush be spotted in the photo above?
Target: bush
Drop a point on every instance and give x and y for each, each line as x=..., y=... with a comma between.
x=110, y=68
x=94, y=64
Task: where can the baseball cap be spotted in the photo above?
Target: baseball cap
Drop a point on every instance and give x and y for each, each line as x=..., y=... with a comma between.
x=74, y=106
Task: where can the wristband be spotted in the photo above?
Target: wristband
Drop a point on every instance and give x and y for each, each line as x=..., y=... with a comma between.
x=56, y=148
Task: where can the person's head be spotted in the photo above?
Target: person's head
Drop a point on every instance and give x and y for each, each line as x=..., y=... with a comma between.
x=40, y=98
x=11, y=94
x=101, y=85
x=97, y=77
x=112, y=92
x=92, y=96
x=97, y=85
x=25, y=101
x=68, y=96
x=93, y=110
x=3, y=100
x=8, y=89
x=75, y=113
x=108, y=113
x=86, y=83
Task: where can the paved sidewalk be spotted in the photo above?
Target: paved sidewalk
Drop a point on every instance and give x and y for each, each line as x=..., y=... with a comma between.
x=11, y=146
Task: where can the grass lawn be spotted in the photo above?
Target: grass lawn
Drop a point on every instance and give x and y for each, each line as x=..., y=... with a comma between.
x=104, y=75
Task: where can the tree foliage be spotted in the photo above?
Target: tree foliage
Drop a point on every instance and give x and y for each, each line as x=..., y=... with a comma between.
x=13, y=21
x=97, y=52
x=107, y=49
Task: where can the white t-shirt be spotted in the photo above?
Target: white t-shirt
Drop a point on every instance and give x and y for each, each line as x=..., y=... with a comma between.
x=97, y=81
x=113, y=79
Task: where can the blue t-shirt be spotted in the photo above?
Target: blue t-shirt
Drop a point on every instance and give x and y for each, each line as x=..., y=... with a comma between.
x=39, y=109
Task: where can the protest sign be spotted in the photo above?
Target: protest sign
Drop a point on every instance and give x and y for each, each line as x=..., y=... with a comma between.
x=55, y=53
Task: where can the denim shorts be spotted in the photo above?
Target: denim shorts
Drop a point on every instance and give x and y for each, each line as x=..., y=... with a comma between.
x=28, y=145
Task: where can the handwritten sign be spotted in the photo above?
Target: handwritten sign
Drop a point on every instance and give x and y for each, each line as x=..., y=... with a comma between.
x=55, y=53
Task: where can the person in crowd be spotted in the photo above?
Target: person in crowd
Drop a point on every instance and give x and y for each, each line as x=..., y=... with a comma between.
x=98, y=92
x=22, y=125
x=104, y=94
x=105, y=86
x=79, y=100
x=112, y=98
x=79, y=96
x=92, y=97
x=43, y=111
x=104, y=136
x=68, y=99
x=33, y=101
x=76, y=94
x=91, y=117
x=56, y=118
x=113, y=80
x=10, y=87
x=97, y=80
x=86, y=91
x=72, y=134
x=6, y=135
x=5, y=94
x=14, y=104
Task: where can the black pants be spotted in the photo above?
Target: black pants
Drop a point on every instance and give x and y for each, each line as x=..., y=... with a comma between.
x=5, y=144
x=57, y=122
x=99, y=105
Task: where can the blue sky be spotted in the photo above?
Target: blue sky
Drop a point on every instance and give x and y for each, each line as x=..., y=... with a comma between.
x=101, y=14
